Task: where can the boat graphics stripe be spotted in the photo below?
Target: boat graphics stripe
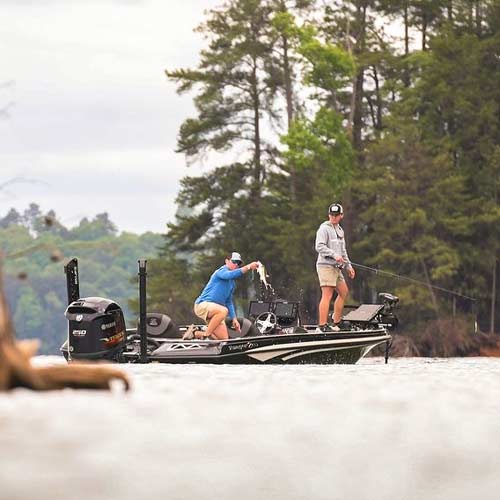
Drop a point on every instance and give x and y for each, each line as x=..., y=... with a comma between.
x=322, y=343
x=266, y=356
x=315, y=351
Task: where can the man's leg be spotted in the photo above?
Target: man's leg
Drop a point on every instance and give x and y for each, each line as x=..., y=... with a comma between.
x=216, y=322
x=338, y=305
x=324, y=304
x=221, y=333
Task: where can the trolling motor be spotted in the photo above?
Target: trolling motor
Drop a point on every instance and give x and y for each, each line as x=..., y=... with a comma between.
x=388, y=318
x=389, y=301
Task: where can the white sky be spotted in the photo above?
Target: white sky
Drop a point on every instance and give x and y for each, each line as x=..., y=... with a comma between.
x=94, y=121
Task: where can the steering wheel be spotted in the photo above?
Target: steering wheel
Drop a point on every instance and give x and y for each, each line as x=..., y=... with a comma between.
x=266, y=322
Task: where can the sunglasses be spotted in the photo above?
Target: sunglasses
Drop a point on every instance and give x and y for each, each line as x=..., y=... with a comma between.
x=237, y=262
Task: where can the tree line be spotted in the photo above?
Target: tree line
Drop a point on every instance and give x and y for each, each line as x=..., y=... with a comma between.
x=388, y=107
x=35, y=246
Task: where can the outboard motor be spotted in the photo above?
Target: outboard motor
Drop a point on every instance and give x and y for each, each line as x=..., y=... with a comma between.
x=96, y=328
x=389, y=301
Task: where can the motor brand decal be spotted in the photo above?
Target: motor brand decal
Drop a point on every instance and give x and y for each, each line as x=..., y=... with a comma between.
x=79, y=317
x=114, y=339
x=79, y=333
x=107, y=326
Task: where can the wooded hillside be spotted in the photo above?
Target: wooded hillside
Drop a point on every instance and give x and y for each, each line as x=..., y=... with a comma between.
x=389, y=107
x=35, y=248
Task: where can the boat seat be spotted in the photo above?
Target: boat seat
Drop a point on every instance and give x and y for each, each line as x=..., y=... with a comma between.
x=248, y=329
x=364, y=313
x=161, y=325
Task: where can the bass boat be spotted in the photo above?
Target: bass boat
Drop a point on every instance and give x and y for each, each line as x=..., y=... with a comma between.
x=272, y=333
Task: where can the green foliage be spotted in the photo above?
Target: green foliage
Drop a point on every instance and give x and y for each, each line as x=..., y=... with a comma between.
x=313, y=103
x=33, y=268
x=235, y=80
x=405, y=135
x=331, y=66
x=431, y=180
x=320, y=144
x=250, y=62
x=172, y=288
x=412, y=209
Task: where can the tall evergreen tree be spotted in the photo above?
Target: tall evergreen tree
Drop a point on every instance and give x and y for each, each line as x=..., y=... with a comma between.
x=286, y=47
x=237, y=81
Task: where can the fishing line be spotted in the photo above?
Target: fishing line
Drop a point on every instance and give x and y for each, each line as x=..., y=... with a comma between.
x=413, y=280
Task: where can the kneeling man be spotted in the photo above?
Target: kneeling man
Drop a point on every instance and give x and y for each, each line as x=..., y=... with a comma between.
x=216, y=300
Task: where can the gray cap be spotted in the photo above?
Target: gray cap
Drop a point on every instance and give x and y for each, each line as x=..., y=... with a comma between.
x=236, y=256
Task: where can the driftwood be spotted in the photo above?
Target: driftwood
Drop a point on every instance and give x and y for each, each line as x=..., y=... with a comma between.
x=16, y=369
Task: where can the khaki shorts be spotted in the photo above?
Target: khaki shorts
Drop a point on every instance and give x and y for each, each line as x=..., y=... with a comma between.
x=203, y=309
x=329, y=275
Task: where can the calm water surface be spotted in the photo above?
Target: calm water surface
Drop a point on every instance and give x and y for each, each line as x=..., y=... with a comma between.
x=412, y=429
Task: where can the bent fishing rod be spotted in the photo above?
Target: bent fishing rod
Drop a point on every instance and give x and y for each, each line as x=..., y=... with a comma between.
x=413, y=280
x=407, y=278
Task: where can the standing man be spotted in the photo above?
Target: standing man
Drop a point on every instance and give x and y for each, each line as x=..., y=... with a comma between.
x=216, y=300
x=332, y=257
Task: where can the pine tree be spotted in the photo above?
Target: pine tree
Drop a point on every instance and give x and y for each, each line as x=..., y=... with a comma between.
x=237, y=81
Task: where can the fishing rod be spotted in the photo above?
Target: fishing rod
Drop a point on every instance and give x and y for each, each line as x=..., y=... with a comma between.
x=413, y=280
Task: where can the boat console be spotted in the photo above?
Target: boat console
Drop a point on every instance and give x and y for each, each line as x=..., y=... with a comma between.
x=275, y=316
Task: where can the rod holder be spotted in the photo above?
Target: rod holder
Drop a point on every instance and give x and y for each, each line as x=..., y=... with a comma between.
x=72, y=280
x=142, y=310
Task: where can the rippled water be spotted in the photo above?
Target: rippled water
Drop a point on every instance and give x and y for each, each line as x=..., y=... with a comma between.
x=412, y=429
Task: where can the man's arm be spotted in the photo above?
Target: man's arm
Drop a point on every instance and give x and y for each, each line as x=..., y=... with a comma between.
x=349, y=267
x=227, y=274
x=230, y=306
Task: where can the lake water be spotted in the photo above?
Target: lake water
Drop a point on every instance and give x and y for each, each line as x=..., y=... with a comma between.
x=412, y=429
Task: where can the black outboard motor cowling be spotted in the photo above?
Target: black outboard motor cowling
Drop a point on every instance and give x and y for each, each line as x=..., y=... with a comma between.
x=96, y=328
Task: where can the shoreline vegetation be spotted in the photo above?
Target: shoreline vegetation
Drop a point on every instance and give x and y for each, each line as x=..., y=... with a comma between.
x=35, y=246
x=449, y=339
x=36, y=269
x=390, y=108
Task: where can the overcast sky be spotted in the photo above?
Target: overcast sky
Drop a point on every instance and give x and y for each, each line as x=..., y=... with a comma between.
x=91, y=120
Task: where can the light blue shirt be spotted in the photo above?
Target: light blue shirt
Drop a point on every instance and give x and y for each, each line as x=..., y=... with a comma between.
x=219, y=288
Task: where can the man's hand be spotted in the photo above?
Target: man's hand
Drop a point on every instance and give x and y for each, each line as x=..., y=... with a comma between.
x=351, y=272
x=252, y=265
x=236, y=325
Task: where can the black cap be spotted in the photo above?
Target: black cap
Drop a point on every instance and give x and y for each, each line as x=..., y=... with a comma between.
x=335, y=209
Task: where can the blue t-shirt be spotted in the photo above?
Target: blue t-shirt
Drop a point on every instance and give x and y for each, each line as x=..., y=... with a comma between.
x=219, y=288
